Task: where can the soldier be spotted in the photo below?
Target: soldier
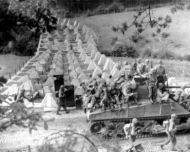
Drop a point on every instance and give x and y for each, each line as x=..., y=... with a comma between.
x=161, y=73
x=96, y=91
x=184, y=98
x=128, y=90
x=100, y=80
x=130, y=132
x=152, y=85
x=140, y=67
x=162, y=94
x=120, y=79
x=170, y=131
x=21, y=96
x=114, y=96
x=133, y=70
x=61, y=102
x=148, y=66
x=105, y=101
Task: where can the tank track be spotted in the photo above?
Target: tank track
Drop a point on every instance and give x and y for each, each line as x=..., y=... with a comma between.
x=117, y=131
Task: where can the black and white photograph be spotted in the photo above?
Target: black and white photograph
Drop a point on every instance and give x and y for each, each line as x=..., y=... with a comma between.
x=94, y=75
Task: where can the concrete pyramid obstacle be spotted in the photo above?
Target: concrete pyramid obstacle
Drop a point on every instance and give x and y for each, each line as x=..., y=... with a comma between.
x=102, y=60
x=96, y=72
x=49, y=103
x=91, y=66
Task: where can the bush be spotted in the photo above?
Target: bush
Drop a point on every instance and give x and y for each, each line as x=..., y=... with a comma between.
x=114, y=40
x=146, y=53
x=115, y=7
x=101, y=9
x=25, y=46
x=3, y=80
x=106, y=52
x=164, y=55
x=187, y=57
x=31, y=47
x=124, y=50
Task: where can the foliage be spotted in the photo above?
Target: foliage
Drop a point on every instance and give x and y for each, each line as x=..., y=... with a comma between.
x=164, y=55
x=114, y=7
x=144, y=18
x=70, y=141
x=18, y=114
x=3, y=80
x=23, y=30
x=187, y=57
x=124, y=50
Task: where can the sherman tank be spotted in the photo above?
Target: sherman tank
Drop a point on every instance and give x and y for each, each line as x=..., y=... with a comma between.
x=109, y=123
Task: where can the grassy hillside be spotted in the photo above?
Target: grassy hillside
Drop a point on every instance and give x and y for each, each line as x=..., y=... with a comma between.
x=179, y=30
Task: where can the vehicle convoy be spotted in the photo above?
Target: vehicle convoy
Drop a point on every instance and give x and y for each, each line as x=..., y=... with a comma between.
x=109, y=123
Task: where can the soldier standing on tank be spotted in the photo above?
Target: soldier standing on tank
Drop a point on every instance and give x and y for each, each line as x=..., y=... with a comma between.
x=130, y=132
x=105, y=100
x=161, y=73
x=114, y=96
x=152, y=85
x=171, y=131
x=128, y=90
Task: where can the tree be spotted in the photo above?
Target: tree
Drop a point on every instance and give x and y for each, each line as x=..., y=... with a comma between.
x=19, y=26
x=143, y=20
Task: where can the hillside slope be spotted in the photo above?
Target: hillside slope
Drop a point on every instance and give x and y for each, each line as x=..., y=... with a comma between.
x=179, y=30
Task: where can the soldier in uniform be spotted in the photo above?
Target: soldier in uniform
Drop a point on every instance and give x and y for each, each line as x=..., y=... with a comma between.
x=148, y=66
x=100, y=80
x=161, y=73
x=128, y=90
x=130, y=132
x=114, y=96
x=62, y=102
x=170, y=131
x=21, y=96
x=105, y=100
x=152, y=85
x=133, y=69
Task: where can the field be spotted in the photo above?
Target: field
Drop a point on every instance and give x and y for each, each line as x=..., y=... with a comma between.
x=179, y=31
x=9, y=63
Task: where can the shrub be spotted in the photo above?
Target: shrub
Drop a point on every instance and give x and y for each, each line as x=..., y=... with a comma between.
x=124, y=50
x=25, y=46
x=3, y=79
x=164, y=55
x=31, y=47
x=115, y=7
x=188, y=7
x=146, y=53
x=114, y=40
x=187, y=57
x=106, y=52
x=101, y=9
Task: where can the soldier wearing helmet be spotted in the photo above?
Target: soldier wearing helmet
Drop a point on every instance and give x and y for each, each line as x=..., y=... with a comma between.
x=161, y=73
x=151, y=82
x=170, y=131
x=130, y=131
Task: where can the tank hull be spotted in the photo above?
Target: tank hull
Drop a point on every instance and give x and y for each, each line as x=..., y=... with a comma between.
x=110, y=123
